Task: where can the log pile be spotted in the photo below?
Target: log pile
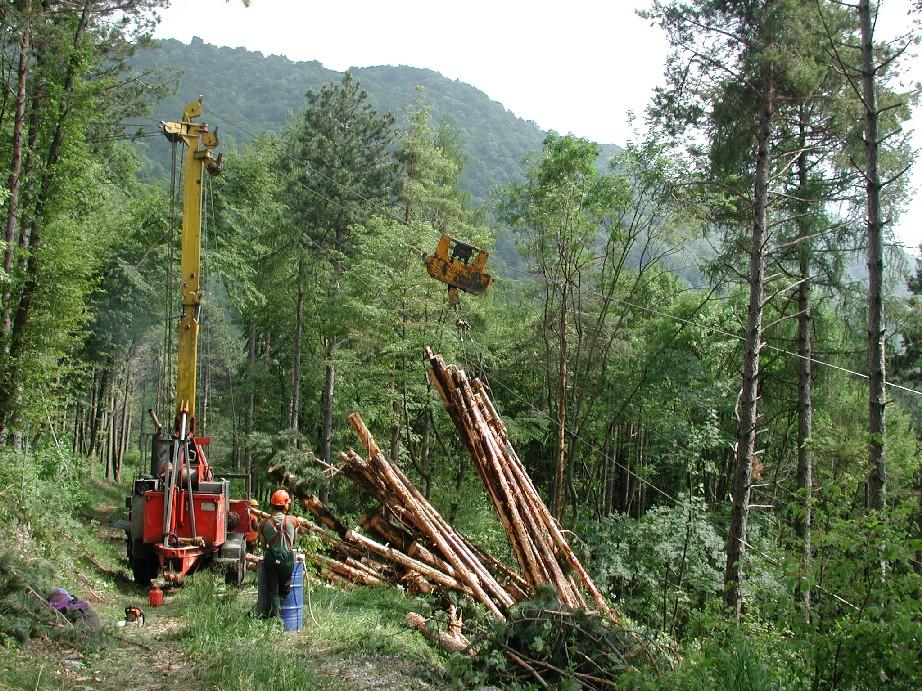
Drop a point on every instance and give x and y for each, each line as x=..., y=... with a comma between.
x=407, y=541
x=415, y=546
x=544, y=556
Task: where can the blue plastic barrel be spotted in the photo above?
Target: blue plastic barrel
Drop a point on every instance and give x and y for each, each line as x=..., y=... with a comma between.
x=293, y=604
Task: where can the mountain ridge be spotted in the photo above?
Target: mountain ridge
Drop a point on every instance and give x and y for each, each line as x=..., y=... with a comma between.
x=251, y=92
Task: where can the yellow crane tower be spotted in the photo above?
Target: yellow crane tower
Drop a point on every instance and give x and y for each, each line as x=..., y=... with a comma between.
x=198, y=158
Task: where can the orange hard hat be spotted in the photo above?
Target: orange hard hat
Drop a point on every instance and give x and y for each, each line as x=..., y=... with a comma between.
x=280, y=498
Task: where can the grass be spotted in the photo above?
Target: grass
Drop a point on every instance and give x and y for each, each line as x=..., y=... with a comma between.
x=203, y=637
x=344, y=626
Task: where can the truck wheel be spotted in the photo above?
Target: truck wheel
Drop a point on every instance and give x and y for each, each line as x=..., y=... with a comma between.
x=144, y=569
x=236, y=572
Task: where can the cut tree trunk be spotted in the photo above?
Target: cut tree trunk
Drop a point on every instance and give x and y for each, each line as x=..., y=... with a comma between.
x=452, y=640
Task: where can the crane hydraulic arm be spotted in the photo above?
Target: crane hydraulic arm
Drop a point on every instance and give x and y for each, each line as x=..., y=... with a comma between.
x=198, y=159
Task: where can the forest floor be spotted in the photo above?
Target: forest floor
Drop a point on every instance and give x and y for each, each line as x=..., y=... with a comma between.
x=203, y=636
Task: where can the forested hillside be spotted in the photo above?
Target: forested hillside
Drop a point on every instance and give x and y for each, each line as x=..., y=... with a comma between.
x=249, y=93
x=610, y=478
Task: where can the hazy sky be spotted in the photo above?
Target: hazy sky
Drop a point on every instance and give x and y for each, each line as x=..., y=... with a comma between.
x=576, y=67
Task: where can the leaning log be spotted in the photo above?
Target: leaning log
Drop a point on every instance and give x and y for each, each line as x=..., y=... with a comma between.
x=397, y=557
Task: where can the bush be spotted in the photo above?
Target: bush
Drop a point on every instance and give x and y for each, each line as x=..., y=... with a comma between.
x=22, y=612
x=661, y=567
x=42, y=489
x=870, y=635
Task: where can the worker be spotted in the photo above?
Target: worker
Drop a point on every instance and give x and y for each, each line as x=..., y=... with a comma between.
x=277, y=533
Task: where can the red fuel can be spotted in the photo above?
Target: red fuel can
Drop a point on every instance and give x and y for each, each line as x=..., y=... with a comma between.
x=155, y=596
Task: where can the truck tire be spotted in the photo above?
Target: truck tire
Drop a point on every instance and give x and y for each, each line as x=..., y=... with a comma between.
x=144, y=568
x=236, y=572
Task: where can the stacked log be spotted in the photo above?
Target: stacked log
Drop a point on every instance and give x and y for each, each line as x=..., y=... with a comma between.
x=349, y=557
x=544, y=556
x=401, y=498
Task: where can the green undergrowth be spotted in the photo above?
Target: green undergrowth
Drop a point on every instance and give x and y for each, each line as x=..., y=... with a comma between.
x=251, y=653
x=57, y=533
x=52, y=517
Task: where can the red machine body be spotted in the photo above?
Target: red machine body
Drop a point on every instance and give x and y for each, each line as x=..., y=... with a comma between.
x=182, y=518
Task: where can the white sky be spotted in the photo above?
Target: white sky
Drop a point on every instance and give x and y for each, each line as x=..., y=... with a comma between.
x=576, y=67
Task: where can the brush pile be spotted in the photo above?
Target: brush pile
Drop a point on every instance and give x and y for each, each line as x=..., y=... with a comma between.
x=549, y=645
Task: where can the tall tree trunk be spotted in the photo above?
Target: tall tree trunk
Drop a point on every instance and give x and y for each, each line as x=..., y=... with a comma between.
x=251, y=407
x=85, y=429
x=626, y=490
x=560, y=469
x=75, y=440
x=641, y=461
x=877, y=476
x=746, y=440
x=112, y=432
x=100, y=385
x=125, y=431
x=396, y=410
x=425, y=453
x=803, y=517
x=329, y=387
x=12, y=204
x=295, y=404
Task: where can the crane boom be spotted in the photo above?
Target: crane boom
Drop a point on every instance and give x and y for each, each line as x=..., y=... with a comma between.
x=197, y=159
x=180, y=515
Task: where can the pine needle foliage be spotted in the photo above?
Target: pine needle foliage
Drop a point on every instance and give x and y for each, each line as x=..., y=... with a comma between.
x=23, y=612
